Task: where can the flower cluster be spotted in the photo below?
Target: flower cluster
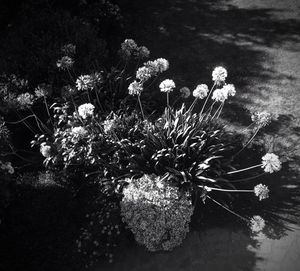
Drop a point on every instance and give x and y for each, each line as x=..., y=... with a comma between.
x=46, y=150
x=86, y=110
x=42, y=90
x=271, y=163
x=221, y=94
x=130, y=48
x=65, y=63
x=135, y=88
x=90, y=81
x=157, y=214
x=25, y=100
x=257, y=223
x=219, y=75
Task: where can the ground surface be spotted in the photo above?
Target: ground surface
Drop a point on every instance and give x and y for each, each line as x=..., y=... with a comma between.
x=259, y=43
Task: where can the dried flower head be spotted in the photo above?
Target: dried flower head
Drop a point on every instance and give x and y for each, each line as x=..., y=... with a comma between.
x=68, y=49
x=219, y=75
x=167, y=85
x=128, y=47
x=185, y=92
x=42, y=90
x=271, y=163
x=65, y=63
x=142, y=52
x=261, y=119
x=257, y=223
x=200, y=91
x=86, y=110
x=135, y=88
x=79, y=132
x=261, y=191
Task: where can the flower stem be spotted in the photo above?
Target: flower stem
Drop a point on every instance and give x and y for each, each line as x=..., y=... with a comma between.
x=243, y=169
x=229, y=190
x=206, y=100
x=246, y=144
x=141, y=107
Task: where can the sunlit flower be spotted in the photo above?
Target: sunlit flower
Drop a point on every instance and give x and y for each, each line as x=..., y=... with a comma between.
x=143, y=73
x=143, y=52
x=69, y=49
x=257, y=223
x=45, y=150
x=65, y=63
x=167, y=85
x=220, y=95
x=108, y=125
x=84, y=82
x=271, y=163
x=219, y=75
x=261, y=191
x=230, y=89
x=86, y=110
x=79, y=131
x=185, y=92
x=200, y=91
x=135, y=88
x=261, y=119
x=25, y=100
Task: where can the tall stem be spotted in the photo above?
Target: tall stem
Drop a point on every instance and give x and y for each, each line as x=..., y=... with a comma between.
x=243, y=169
x=206, y=100
x=141, y=107
x=246, y=143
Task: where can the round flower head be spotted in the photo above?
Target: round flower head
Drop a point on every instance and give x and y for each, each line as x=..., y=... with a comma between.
x=200, y=91
x=42, y=90
x=25, y=100
x=257, y=223
x=143, y=74
x=84, y=82
x=79, y=132
x=219, y=75
x=162, y=64
x=261, y=119
x=167, y=85
x=271, y=163
x=185, y=92
x=45, y=150
x=220, y=95
x=135, y=88
x=65, y=63
x=86, y=110
x=143, y=52
x=261, y=191
x=230, y=89
x=7, y=166
x=128, y=47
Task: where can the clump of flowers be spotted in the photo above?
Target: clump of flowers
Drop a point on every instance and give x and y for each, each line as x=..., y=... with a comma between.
x=261, y=119
x=135, y=88
x=84, y=82
x=7, y=166
x=219, y=75
x=86, y=110
x=185, y=92
x=157, y=213
x=257, y=223
x=220, y=95
x=25, y=100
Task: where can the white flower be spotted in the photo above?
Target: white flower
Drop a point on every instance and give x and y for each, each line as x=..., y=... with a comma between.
x=86, y=110
x=185, y=92
x=200, y=91
x=261, y=191
x=84, y=82
x=135, y=88
x=45, y=150
x=271, y=163
x=261, y=119
x=257, y=223
x=25, y=100
x=219, y=75
x=230, y=89
x=162, y=64
x=143, y=73
x=220, y=95
x=65, y=63
x=79, y=132
x=167, y=85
